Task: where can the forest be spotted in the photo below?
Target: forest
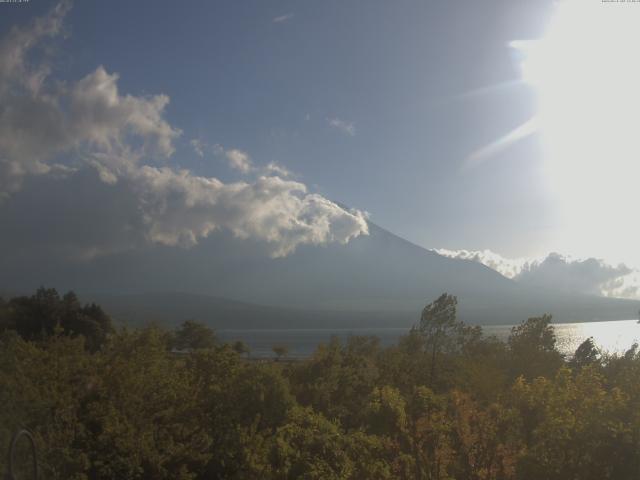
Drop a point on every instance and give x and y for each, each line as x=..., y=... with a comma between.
x=446, y=402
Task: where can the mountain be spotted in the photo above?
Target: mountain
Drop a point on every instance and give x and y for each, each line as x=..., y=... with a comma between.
x=171, y=308
x=379, y=279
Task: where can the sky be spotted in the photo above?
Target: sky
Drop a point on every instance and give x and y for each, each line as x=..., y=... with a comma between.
x=465, y=126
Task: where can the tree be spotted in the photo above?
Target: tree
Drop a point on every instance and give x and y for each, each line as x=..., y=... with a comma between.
x=89, y=321
x=575, y=427
x=39, y=315
x=193, y=335
x=309, y=446
x=485, y=437
x=280, y=351
x=337, y=380
x=4, y=316
x=586, y=354
x=133, y=410
x=532, y=348
x=142, y=416
x=429, y=434
x=241, y=348
x=443, y=332
x=386, y=412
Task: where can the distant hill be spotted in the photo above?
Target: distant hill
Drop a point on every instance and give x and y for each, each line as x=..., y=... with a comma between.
x=170, y=308
x=379, y=279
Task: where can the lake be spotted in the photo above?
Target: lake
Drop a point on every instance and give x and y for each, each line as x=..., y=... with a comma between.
x=613, y=336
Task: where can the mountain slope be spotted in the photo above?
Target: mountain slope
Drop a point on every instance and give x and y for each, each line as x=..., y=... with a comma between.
x=379, y=278
x=171, y=308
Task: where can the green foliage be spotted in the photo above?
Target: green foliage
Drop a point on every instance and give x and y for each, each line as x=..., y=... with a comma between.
x=39, y=315
x=337, y=380
x=586, y=354
x=532, y=349
x=479, y=409
x=280, y=351
x=444, y=335
x=241, y=348
x=193, y=335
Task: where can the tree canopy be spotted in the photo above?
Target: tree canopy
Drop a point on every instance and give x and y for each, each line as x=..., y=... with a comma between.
x=193, y=335
x=40, y=314
x=479, y=409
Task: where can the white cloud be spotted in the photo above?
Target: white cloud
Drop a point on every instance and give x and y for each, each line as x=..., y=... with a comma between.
x=41, y=119
x=181, y=208
x=82, y=216
x=95, y=127
x=283, y=18
x=275, y=169
x=589, y=275
x=239, y=160
x=562, y=273
x=345, y=127
x=505, y=266
x=198, y=146
x=14, y=47
x=104, y=118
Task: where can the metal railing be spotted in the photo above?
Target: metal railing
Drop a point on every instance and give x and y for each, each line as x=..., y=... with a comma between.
x=10, y=471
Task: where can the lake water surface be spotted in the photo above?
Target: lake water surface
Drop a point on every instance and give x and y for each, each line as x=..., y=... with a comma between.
x=614, y=336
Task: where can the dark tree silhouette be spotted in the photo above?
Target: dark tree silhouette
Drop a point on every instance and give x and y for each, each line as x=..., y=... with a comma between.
x=193, y=335
x=280, y=351
x=586, y=354
x=241, y=348
x=41, y=314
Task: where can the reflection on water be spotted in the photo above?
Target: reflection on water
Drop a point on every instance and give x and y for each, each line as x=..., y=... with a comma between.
x=615, y=336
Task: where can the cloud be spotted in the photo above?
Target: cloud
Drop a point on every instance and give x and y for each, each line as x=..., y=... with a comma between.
x=41, y=120
x=590, y=275
x=239, y=160
x=70, y=136
x=180, y=208
x=559, y=272
x=275, y=169
x=14, y=47
x=505, y=266
x=105, y=119
x=90, y=119
x=283, y=18
x=345, y=127
x=198, y=146
x=81, y=217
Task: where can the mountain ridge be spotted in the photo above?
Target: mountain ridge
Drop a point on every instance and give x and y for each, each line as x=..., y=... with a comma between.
x=379, y=278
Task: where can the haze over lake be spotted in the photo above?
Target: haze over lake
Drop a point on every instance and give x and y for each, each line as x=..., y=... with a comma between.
x=614, y=336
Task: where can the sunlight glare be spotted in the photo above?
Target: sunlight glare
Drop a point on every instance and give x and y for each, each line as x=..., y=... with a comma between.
x=586, y=72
